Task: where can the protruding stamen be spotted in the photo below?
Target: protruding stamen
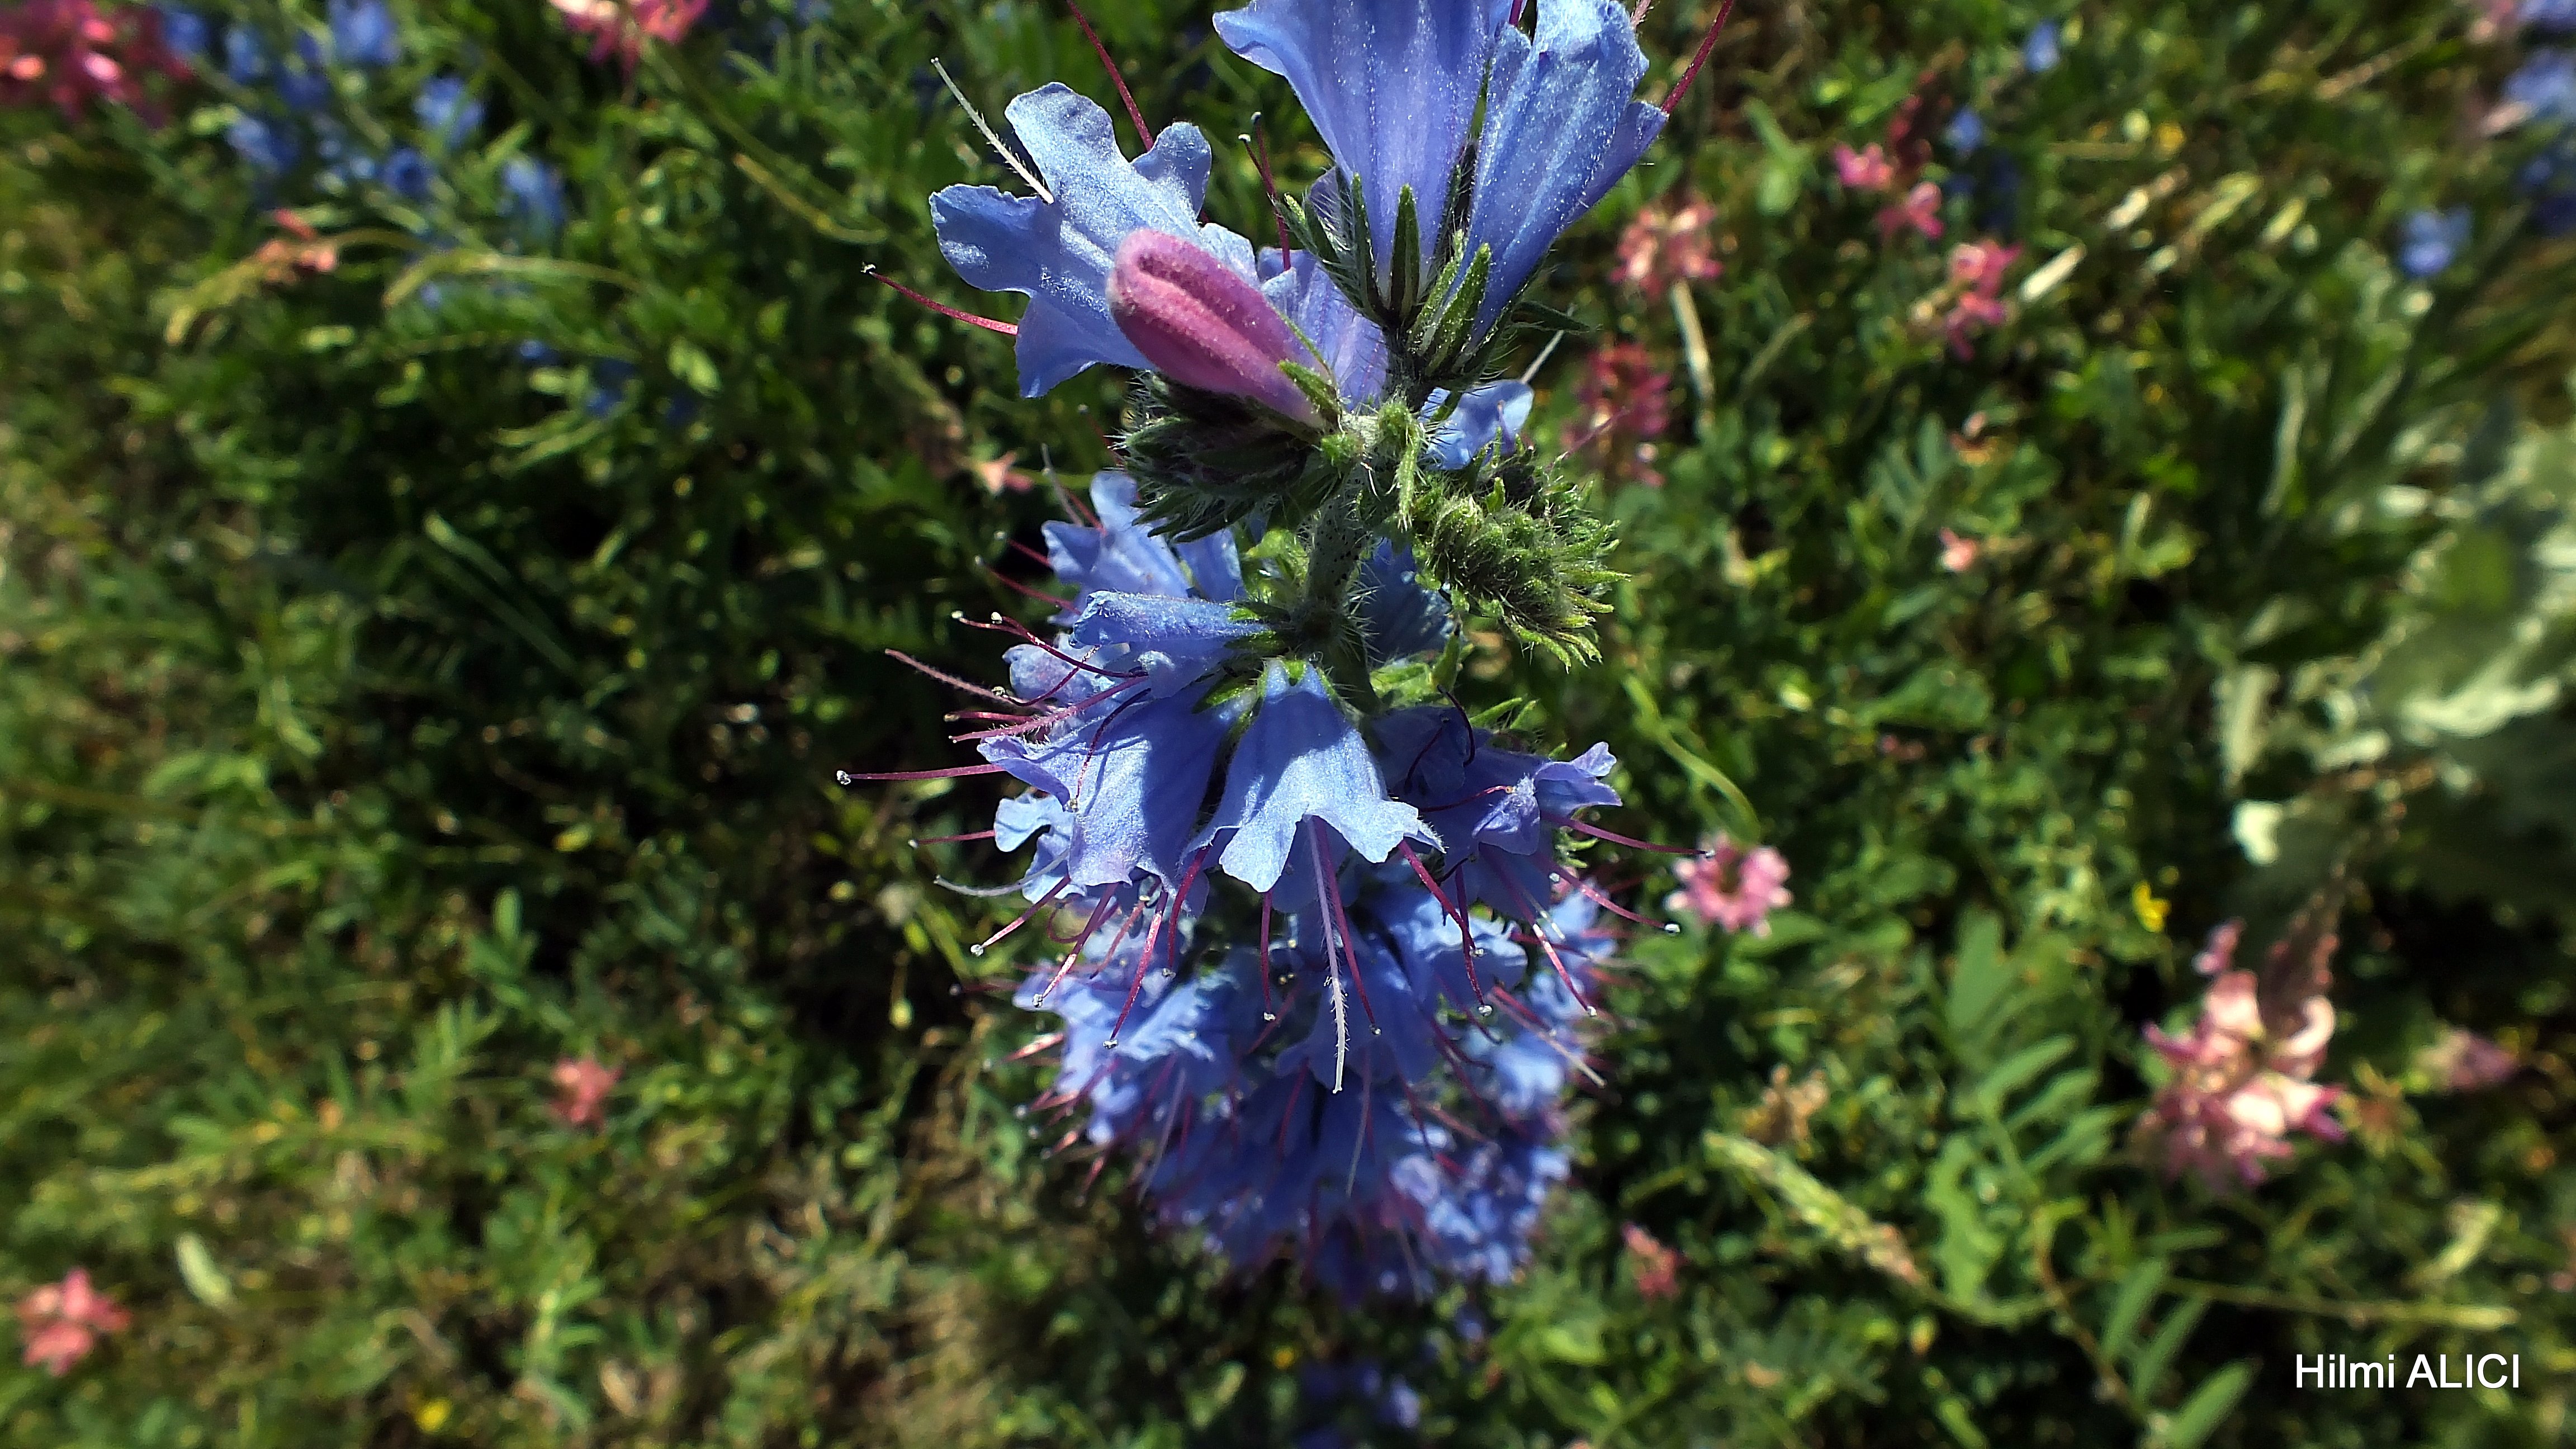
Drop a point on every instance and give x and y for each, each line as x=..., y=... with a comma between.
x=1009, y=157
x=1144, y=133
x=951, y=680
x=1266, y=1013
x=1707, y=44
x=1259, y=141
x=1015, y=586
x=953, y=772
x=1540, y=361
x=1466, y=934
x=1593, y=893
x=1046, y=902
x=918, y=841
x=989, y=324
x=1350, y=938
x=1614, y=837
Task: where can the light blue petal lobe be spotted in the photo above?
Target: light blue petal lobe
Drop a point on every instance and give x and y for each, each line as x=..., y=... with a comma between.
x=1495, y=412
x=1058, y=253
x=1302, y=759
x=1562, y=125
x=1353, y=349
x=1391, y=86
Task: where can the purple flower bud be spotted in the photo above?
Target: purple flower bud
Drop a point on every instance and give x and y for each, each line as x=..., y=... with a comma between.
x=1201, y=325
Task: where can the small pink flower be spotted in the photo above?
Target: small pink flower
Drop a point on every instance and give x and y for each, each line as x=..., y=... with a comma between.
x=1979, y=266
x=620, y=27
x=62, y=1321
x=1732, y=887
x=1921, y=210
x=1864, y=170
x=999, y=477
x=1959, y=555
x=1622, y=404
x=1655, y=1268
x=582, y=1086
x=2463, y=1061
x=2241, y=1077
x=1968, y=316
x=67, y=52
x=1667, y=247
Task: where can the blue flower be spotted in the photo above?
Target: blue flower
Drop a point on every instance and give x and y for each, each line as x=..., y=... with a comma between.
x=1399, y=616
x=1494, y=413
x=447, y=111
x=1058, y=251
x=1120, y=555
x=532, y=197
x=265, y=144
x=1966, y=132
x=2551, y=16
x=608, y=380
x=245, y=59
x=407, y=174
x=1562, y=125
x=2545, y=86
x=2039, y=51
x=1391, y=86
x=186, y=32
x=2549, y=181
x=1497, y=811
x=2431, y=240
x=1302, y=781
x=363, y=33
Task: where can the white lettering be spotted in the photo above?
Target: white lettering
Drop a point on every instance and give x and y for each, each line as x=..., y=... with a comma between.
x=2370, y=1376
x=2300, y=1371
x=2423, y=1371
x=2491, y=1383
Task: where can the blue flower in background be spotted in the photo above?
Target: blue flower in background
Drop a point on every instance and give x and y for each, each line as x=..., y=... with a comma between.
x=1966, y=132
x=2548, y=180
x=186, y=32
x=407, y=174
x=264, y=143
x=2549, y=16
x=2545, y=86
x=532, y=197
x=608, y=380
x=363, y=33
x=447, y=111
x=2429, y=241
x=2039, y=52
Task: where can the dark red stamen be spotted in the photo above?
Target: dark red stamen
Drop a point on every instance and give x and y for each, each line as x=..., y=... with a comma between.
x=953, y=772
x=922, y=840
x=1707, y=44
x=1074, y=508
x=1046, y=902
x=1047, y=1042
x=1269, y=187
x=1466, y=934
x=1538, y=931
x=1023, y=590
x=1637, y=16
x=986, y=690
x=989, y=324
x=1614, y=837
x=1089, y=926
x=1604, y=902
x=1143, y=134
x=1350, y=938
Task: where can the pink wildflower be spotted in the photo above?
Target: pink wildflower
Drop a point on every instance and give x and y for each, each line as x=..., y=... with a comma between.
x=582, y=1087
x=67, y=52
x=1667, y=247
x=2463, y=1061
x=1655, y=1268
x=62, y=1321
x=1921, y=210
x=1622, y=405
x=1968, y=316
x=1959, y=555
x=1731, y=886
x=620, y=27
x=999, y=477
x=1866, y=170
x=1979, y=266
x=2241, y=1077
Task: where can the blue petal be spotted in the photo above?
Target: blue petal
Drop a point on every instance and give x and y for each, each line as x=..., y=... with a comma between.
x=1302, y=759
x=1132, y=779
x=1058, y=253
x=1562, y=125
x=1353, y=349
x=1399, y=616
x=1122, y=556
x=1173, y=640
x=1390, y=84
x=1493, y=413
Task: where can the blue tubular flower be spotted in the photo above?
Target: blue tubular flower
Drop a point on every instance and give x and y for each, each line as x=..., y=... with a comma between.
x=407, y=174
x=2040, y=53
x=1121, y=556
x=447, y=112
x=1058, y=252
x=1498, y=810
x=1562, y=125
x=1478, y=1218
x=2555, y=17
x=1398, y=616
x=1352, y=349
x=186, y=32
x=363, y=33
x=1390, y=84
x=1966, y=132
x=2431, y=240
x=1494, y=413
x=532, y=197
x=1303, y=760
x=266, y=145
x=1131, y=774
x=2545, y=86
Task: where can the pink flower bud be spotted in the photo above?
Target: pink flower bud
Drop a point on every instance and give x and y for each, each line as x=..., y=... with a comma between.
x=1201, y=325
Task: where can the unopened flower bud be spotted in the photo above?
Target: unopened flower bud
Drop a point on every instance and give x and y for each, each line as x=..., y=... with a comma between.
x=1201, y=325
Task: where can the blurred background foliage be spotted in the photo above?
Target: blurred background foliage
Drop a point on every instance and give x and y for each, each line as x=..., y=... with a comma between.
x=430, y=627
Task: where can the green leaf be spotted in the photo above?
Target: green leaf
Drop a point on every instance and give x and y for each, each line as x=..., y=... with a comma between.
x=2152, y=1361
x=2129, y=1305
x=2208, y=1404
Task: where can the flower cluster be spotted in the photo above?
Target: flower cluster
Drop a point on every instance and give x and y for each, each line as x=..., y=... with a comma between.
x=621, y=27
x=2241, y=1077
x=1323, y=953
x=1622, y=405
x=2539, y=97
x=1667, y=246
x=1731, y=887
x=61, y=1322
x=69, y=52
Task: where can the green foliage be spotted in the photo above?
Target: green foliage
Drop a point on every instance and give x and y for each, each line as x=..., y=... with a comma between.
x=385, y=717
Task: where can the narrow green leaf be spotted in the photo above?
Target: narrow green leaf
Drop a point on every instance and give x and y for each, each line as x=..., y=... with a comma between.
x=2208, y=1405
x=2129, y=1305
